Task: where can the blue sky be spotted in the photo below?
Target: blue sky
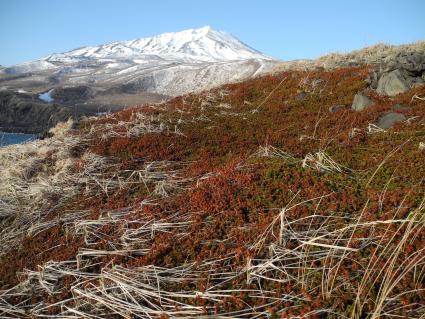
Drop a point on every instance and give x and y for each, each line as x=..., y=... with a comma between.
x=284, y=29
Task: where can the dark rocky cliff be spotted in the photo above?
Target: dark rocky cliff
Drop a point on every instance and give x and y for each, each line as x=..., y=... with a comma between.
x=24, y=113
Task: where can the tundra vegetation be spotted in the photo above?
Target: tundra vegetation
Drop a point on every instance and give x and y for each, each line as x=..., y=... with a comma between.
x=260, y=199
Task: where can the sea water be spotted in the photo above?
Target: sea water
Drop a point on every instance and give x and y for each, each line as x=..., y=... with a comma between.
x=15, y=138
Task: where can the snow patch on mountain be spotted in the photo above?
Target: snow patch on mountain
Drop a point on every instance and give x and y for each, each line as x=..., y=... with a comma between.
x=204, y=45
x=168, y=64
x=33, y=66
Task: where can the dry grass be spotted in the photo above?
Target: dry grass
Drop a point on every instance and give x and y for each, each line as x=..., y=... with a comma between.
x=284, y=230
x=377, y=54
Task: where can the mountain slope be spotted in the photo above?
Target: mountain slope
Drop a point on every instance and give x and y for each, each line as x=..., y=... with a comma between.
x=247, y=201
x=168, y=64
x=204, y=44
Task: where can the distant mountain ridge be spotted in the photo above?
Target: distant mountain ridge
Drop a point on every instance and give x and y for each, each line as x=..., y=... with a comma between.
x=127, y=73
x=204, y=44
x=167, y=64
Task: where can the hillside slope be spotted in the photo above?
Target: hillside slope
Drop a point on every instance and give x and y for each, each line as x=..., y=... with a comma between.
x=270, y=198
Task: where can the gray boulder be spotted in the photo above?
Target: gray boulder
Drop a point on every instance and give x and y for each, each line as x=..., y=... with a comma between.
x=393, y=83
x=389, y=119
x=361, y=102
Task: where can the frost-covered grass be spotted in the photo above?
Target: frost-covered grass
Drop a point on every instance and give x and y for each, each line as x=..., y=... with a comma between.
x=376, y=54
x=245, y=201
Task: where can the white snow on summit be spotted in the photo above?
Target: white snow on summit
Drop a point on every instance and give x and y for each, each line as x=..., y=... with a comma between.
x=204, y=45
x=168, y=64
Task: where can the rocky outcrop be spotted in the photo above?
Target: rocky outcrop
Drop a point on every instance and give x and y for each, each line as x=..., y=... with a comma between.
x=361, y=102
x=413, y=62
x=396, y=69
x=72, y=95
x=405, y=71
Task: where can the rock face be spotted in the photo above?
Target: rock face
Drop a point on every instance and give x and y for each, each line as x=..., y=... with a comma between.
x=393, y=83
x=413, y=62
x=361, y=102
x=388, y=120
x=72, y=94
x=405, y=71
x=26, y=114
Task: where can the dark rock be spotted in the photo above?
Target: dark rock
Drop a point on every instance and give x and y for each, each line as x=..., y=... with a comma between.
x=413, y=62
x=401, y=108
x=26, y=114
x=389, y=119
x=393, y=83
x=72, y=95
x=361, y=102
x=336, y=108
x=372, y=80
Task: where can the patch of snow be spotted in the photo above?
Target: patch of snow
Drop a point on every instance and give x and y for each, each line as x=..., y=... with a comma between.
x=46, y=96
x=32, y=66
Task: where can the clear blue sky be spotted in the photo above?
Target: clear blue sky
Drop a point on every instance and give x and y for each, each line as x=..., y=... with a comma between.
x=284, y=29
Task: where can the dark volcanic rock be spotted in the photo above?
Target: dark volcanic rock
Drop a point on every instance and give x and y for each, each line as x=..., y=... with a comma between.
x=23, y=113
x=361, y=102
x=389, y=119
x=336, y=108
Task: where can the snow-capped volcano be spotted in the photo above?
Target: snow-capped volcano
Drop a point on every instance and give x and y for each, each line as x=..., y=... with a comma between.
x=168, y=64
x=204, y=44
